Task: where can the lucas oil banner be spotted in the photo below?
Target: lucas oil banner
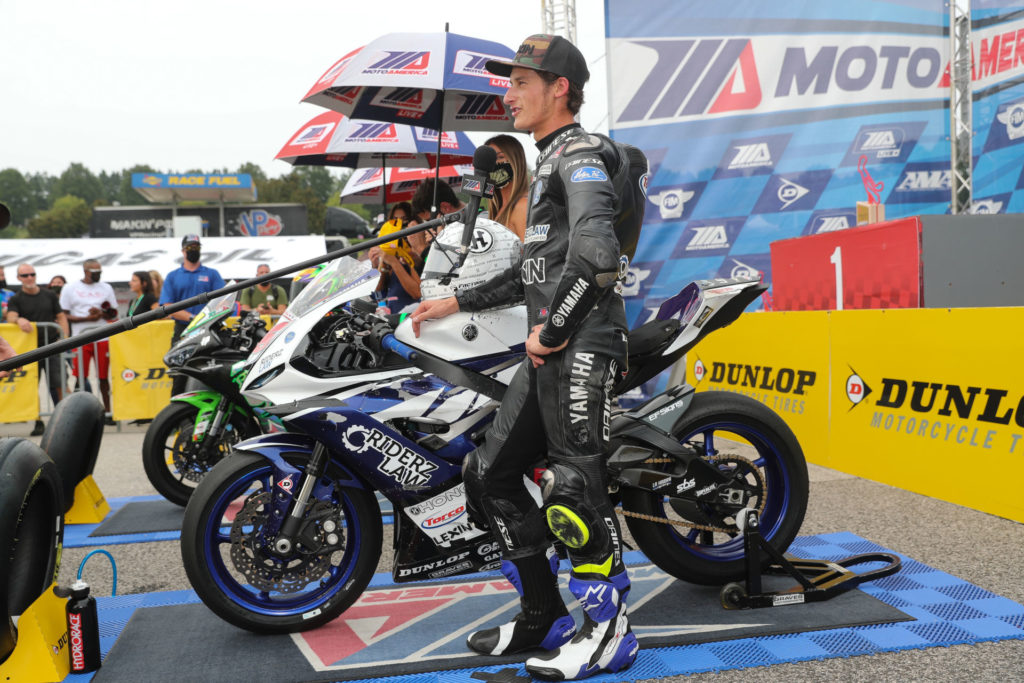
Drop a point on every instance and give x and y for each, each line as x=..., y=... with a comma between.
x=756, y=117
x=997, y=42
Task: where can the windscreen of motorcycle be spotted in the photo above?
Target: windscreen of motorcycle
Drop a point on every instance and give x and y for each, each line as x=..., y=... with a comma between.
x=330, y=285
x=218, y=308
x=493, y=249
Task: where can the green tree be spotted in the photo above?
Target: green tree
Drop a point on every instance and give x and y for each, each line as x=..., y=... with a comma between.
x=111, y=183
x=41, y=186
x=128, y=196
x=258, y=176
x=80, y=182
x=17, y=195
x=69, y=217
x=318, y=179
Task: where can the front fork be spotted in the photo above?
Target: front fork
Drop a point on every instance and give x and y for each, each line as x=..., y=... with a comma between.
x=296, y=509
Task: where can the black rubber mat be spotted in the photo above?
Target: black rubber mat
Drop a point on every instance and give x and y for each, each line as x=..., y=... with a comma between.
x=142, y=517
x=421, y=627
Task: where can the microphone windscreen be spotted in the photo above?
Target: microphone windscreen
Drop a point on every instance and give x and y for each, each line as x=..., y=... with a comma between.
x=485, y=159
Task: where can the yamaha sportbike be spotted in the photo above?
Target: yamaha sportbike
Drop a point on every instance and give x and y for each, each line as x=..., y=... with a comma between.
x=285, y=534
x=197, y=428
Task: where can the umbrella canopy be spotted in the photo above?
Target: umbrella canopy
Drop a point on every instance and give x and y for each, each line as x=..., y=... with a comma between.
x=363, y=187
x=331, y=139
x=436, y=80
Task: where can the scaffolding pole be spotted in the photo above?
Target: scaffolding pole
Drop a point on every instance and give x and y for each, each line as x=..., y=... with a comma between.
x=559, y=17
x=961, y=128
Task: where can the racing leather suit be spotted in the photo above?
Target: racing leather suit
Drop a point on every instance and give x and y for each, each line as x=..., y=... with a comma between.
x=568, y=269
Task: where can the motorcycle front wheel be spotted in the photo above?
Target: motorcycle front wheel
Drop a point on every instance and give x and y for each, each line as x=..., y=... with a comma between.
x=228, y=557
x=174, y=463
x=747, y=440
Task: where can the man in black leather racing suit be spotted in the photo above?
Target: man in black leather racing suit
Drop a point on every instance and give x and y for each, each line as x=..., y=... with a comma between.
x=558, y=401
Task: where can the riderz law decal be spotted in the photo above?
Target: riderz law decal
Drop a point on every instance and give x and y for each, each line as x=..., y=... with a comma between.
x=402, y=464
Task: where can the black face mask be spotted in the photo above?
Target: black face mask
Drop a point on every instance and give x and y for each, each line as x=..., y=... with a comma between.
x=95, y=277
x=192, y=255
x=502, y=174
x=3, y=283
x=55, y=290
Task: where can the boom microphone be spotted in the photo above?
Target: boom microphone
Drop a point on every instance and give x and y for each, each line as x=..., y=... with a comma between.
x=477, y=186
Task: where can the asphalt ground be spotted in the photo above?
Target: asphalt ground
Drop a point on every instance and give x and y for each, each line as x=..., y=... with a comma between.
x=985, y=550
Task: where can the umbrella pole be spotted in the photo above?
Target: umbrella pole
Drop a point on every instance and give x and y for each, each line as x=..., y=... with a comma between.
x=437, y=162
x=384, y=185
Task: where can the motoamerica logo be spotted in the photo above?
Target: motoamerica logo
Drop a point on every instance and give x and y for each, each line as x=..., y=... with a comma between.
x=687, y=77
x=940, y=410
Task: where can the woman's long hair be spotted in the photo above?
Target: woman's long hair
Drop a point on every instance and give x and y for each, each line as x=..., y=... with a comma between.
x=514, y=154
x=156, y=281
x=145, y=281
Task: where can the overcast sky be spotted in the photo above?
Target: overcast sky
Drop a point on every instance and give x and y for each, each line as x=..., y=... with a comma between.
x=210, y=84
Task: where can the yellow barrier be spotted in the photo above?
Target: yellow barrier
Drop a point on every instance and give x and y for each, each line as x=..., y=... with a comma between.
x=140, y=385
x=19, y=391
x=928, y=400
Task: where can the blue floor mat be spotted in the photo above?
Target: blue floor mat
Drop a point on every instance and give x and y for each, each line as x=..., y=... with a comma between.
x=80, y=535
x=947, y=611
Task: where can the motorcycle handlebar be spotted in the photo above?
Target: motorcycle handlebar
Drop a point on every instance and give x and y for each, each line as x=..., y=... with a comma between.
x=391, y=343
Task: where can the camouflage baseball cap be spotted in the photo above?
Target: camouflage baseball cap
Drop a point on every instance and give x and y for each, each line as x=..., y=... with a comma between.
x=543, y=52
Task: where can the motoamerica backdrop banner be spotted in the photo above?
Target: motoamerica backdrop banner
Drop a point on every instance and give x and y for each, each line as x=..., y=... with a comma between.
x=997, y=41
x=754, y=117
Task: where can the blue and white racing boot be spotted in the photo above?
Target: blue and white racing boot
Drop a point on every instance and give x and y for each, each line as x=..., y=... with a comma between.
x=544, y=622
x=604, y=643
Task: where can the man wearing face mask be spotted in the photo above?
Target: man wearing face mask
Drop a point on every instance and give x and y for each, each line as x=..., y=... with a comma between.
x=90, y=303
x=191, y=279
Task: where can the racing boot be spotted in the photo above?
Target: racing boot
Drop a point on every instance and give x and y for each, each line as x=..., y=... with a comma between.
x=604, y=643
x=544, y=622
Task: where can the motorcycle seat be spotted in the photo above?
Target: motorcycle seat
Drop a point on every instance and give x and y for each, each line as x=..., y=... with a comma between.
x=651, y=336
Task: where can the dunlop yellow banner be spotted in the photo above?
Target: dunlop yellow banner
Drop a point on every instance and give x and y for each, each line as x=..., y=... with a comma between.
x=780, y=359
x=140, y=385
x=932, y=401
x=927, y=400
x=19, y=391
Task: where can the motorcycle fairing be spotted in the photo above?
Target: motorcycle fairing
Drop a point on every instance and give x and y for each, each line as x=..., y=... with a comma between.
x=206, y=403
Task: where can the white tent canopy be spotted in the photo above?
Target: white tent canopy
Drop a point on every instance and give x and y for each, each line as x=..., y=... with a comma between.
x=233, y=257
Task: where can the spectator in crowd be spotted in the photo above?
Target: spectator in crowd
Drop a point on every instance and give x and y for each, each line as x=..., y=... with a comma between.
x=34, y=304
x=185, y=282
x=399, y=284
x=511, y=183
x=5, y=352
x=141, y=286
x=57, y=283
x=267, y=298
x=88, y=304
x=5, y=294
x=158, y=282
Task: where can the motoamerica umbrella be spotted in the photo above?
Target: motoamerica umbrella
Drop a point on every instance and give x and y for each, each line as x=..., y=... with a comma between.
x=331, y=139
x=435, y=80
x=363, y=187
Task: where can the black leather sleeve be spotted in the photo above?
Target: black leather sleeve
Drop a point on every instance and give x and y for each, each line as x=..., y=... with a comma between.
x=592, y=260
x=504, y=289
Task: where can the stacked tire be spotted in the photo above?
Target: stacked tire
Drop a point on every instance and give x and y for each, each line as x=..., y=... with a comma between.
x=31, y=530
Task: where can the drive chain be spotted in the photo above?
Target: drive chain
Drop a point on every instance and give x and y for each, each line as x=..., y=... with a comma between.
x=695, y=525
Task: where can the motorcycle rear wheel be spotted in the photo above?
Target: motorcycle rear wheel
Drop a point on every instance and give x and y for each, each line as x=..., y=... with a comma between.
x=170, y=457
x=206, y=550
x=715, y=422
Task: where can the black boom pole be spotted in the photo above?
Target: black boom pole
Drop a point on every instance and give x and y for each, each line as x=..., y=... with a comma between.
x=134, y=321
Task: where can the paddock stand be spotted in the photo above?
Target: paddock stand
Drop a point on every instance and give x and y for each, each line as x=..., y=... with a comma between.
x=817, y=579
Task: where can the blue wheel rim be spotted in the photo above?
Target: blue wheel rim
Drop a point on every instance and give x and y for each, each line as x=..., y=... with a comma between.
x=778, y=491
x=317, y=594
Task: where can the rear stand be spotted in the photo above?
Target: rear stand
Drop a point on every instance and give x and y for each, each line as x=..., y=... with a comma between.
x=817, y=579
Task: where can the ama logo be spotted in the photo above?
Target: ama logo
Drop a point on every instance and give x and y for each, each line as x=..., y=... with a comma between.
x=371, y=131
x=709, y=237
x=468, y=63
x=314, y=135
x=884, y=143
x=410, y=102
x=399, y=62
x=259, y=223
x=481, y=108
x=830, y=220
x=923, y=182
x=792, y=191
x=752, y=156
